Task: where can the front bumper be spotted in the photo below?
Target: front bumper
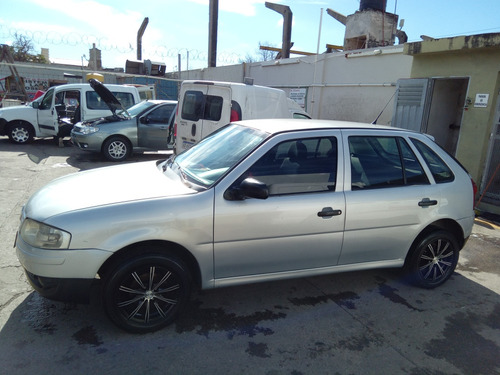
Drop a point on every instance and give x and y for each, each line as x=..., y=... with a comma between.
x=62, y=275
x=87, y=142
x=65, y=290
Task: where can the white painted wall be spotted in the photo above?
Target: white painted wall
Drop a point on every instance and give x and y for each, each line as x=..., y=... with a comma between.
x=353, y=86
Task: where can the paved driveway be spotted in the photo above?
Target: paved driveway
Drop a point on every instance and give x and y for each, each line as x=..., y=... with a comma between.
x=353, y=323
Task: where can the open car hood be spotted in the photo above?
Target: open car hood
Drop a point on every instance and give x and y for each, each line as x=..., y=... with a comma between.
x=106, y=95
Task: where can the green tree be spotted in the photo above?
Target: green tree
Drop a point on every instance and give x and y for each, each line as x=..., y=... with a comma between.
x=22, y=49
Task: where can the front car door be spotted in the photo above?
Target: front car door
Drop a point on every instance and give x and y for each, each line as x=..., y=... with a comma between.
x=47, y=114
x=298, y=229
x=388, y=195
x=153, y=127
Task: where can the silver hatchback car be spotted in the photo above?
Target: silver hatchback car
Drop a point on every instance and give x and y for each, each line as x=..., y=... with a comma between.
x=255, y=201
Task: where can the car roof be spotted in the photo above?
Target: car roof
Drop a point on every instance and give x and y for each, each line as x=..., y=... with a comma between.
x=273, y=126
x=160, y=101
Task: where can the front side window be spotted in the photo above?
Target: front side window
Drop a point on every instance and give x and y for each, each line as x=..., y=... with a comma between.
x=440, y=171
x=378, y=162
x=298, y=166
x=161, y=115
x=47, y=100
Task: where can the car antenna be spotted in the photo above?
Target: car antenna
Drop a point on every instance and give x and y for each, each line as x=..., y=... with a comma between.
x=374, y=122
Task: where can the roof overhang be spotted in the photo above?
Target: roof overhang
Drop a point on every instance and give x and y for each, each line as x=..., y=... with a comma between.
x=453, y=44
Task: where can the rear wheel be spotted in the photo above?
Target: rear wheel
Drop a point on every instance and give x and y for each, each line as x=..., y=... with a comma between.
x=433, y=260
x=116, y=148
x=21, y=132
x=147, y=292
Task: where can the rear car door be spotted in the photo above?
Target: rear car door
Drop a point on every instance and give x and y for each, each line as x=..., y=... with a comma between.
x=299, y=227
x=153, y=127
x=217, y=109
x=388, y=194
x=190, y=118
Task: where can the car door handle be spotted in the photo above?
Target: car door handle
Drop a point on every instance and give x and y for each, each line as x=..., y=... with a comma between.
x=329, y=212
x=427, y=202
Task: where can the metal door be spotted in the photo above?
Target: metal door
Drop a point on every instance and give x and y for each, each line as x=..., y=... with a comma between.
x=217, y=109
x=490, y=185
x=412, y=103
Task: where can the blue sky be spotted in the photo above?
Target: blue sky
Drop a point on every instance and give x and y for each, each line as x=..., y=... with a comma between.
x=69, y=27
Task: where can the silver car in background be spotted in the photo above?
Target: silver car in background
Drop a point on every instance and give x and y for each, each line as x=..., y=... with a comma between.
x=255, y=201
x=146, y=126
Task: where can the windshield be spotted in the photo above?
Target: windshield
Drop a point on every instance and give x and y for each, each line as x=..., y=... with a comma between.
x=205, y=163
x=138, y=108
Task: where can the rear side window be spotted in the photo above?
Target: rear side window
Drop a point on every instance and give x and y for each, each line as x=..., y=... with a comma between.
x=94, y=101
x=197, y=106
x=125, y=98
x=378, y=162
x=440, y=171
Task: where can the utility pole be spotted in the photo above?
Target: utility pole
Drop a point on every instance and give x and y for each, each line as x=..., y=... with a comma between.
x=212, y=33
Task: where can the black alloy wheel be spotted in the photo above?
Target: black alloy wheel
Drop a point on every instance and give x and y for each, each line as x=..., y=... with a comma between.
x=146, y=293
x=433, y=260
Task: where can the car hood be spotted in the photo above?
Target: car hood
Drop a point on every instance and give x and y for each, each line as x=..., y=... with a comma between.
x=104, y=186
x=106, y=95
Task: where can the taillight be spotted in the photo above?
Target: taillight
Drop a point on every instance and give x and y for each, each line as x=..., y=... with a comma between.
x=474, y=189
x=175, y=123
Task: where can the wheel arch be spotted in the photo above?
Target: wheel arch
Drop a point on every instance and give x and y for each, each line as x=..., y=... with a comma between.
x=120, y=136
x=158, y=247
x=448, y=225
x=12, y=123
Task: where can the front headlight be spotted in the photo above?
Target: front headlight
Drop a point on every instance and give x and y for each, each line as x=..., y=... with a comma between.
x=44, y=236
x=87, y=130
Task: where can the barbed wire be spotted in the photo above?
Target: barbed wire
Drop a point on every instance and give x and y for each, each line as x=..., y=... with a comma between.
x=74, y=39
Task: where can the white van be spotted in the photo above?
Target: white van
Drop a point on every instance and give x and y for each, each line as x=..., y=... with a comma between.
x=205, y=106
x=72, y=102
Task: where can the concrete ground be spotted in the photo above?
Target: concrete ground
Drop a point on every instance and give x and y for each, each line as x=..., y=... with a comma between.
x=354, y=323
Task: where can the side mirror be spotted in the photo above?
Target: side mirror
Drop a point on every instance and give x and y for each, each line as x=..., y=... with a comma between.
x=144, y=120
x=35, y=105
x=248, y=188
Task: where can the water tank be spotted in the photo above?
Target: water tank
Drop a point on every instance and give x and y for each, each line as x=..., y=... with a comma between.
x=373, y=4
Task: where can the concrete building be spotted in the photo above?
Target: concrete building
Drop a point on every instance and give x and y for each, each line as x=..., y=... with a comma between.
x=448, y=88
x=460, y=104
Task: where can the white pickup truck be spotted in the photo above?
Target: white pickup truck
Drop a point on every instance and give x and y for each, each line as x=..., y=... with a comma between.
x=72, y=102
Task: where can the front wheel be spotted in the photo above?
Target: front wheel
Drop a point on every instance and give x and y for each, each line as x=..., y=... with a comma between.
x=433, y=260
x=146, y=293
x=116, y=149
x=21, y=133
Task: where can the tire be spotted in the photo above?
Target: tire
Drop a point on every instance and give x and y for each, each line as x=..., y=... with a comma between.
x=21, y=133
x=433, y=260
x=116, y=148
x=146, y=293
